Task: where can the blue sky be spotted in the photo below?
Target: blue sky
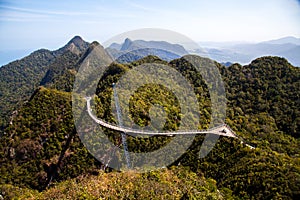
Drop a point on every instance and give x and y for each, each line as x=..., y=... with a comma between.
x=33, y=24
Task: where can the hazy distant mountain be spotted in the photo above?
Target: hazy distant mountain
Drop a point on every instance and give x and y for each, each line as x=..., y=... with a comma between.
x=285, y=40
x=141, y=53
x=223, y=55
x=130, y=51
x=286, y=50
x=226, y=64
x=288, y=47
x=115, y=46
x=174, y=48
x=212, y=44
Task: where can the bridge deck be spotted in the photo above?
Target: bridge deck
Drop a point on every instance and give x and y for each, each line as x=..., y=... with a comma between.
x=223, y=129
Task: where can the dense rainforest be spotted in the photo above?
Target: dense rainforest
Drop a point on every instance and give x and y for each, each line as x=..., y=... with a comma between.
x=42, y=156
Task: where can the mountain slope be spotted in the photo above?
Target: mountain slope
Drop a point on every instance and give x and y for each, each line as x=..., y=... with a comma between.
x=19, y=79
x=61, y=72
x=41, y=148
x=271, y=85
x=36, y=139
x=176, y=183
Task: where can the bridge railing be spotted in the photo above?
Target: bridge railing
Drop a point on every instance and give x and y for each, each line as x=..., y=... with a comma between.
x=131, y=130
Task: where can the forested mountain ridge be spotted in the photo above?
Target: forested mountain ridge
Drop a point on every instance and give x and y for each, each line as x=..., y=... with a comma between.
x=268, y=85
x=263, y=108
x=20, y=78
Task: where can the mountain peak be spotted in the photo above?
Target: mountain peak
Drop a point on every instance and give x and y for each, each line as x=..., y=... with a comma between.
x=127, y=40
x=76, y=45
x=77, y=40
x=271, y=63
x=127, y=43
